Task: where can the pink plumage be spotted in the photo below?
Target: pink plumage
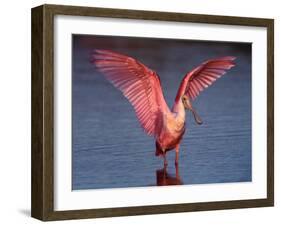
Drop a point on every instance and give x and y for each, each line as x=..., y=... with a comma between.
x=204, y=75
x=142, y=87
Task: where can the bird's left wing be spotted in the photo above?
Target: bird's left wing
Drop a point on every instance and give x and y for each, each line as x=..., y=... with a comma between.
x=204, y=75
x=139, y=84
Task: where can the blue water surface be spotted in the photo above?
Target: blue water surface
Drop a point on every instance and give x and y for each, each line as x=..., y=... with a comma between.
x=110, y=150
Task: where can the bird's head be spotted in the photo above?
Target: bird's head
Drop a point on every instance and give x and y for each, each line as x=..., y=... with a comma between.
x=188, y=106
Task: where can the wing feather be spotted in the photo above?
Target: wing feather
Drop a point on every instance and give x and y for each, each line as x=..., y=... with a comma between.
x=139, y=84
x=204, y=75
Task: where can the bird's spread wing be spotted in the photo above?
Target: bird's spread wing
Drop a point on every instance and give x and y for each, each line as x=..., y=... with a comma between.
x=140, y=85
x=204, y=75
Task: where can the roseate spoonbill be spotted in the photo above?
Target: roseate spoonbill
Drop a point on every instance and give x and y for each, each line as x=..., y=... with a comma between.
x=142, y=87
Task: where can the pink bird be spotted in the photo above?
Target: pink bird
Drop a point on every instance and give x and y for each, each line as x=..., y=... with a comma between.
x=142, y=87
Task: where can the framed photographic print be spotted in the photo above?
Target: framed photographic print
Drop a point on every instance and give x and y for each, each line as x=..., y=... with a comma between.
x=140, y=112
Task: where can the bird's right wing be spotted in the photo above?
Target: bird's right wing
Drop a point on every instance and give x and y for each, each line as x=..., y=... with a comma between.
x=139, y=84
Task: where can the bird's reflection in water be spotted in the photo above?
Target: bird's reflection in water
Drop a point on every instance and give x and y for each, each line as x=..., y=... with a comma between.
x=163, y=177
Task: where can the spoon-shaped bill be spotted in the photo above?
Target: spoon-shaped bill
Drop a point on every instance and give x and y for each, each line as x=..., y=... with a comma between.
x=197, y=118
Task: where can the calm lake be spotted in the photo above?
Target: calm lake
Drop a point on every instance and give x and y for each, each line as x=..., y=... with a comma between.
x=110, y=150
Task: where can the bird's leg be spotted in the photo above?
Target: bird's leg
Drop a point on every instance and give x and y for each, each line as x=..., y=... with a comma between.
x=165, y=160
x=177, y=154
x=177, y=172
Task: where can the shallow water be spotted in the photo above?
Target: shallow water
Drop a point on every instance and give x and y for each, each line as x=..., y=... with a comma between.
x=110, y=149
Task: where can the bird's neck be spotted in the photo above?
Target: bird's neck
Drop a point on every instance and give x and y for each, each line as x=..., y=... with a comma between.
x=179, y=110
